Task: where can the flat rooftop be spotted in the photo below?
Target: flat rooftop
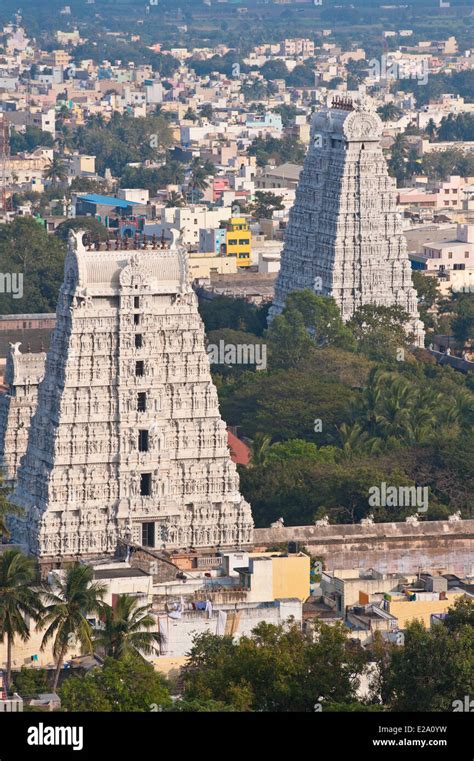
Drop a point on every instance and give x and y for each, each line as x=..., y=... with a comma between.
x=118, y=573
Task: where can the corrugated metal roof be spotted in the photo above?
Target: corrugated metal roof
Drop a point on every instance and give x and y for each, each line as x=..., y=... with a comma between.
x=107, y=200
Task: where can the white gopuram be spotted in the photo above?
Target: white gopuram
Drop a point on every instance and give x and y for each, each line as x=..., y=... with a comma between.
x=127, y=441
x=344, y=237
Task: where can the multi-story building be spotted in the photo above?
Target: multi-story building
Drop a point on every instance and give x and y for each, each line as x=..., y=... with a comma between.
x=299, y=46
x=238, y=241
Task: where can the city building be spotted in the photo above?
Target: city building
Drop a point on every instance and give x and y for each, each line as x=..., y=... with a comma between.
x=238, y=241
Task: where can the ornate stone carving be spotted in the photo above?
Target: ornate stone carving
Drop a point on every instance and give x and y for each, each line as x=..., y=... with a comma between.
x=344, y=237
x=109, y=446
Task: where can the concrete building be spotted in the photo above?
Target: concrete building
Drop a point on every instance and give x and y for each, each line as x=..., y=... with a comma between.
x=238, y=241
x=190, y=220
x=453, y=260
x=343, y=588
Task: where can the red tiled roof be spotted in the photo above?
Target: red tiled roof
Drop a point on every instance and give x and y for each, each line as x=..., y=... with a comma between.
x=239, y=452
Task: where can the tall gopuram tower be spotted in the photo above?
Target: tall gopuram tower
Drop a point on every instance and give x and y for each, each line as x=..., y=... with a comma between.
x=127, y=441
x=344, y=237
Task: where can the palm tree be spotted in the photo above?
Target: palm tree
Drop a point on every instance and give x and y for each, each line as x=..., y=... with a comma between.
x=6, y=508
x=56, y=170
x=259, y=450
x=19, y=598
x=96, y=120
x=355, y=441
x=389, y=112
x=174, y=200
x=127, y=629
x=198, y=180
x=431, y=129
x=70, y=600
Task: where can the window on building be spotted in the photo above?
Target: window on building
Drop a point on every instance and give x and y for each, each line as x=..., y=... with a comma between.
x=148, y=534
x=145, y=484
x=466, y=254
x=450, y=255
x=141, y=402
x=136, y=319
x=136, y=302
x=459, y=266
x=143, y=441
x=139, y=368
x=138, y=340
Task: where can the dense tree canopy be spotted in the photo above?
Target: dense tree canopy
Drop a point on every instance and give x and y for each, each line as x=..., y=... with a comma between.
x=26, y=249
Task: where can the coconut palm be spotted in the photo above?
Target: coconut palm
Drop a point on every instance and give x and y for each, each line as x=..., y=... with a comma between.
x=19, y=599
x=68, y=603
x=389, y=112
x=174, y=200
x=6, y=508
x=56, y=170
x=355, y=441
x=96, y=120
x=127, y=629
x=431, y=129
x=259, y=450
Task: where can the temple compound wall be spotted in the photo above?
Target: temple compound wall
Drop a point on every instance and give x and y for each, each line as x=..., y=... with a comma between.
x=388, y=547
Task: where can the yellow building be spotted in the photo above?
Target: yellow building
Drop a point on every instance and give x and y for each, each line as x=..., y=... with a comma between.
x=406, y=610
x=203, y=265
x=238, y=241
x=276, y=576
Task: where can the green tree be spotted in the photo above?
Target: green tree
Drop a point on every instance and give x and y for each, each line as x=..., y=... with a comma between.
x=56, y=170
x=300, y=449
x=319, y=315
x=398, y=157
x=260, y=448
x=127, y=629
x=433, y=669
x=124, y=686
x=277, y=668
x=174, y=200
x=389, y=112
x=28, y=681
x=206, y=111
x=95, y=229
x=67, y=605
x=19, y=598
x=266, y=203
x=380, y=331
x=428, y=297
x=463, y=323
x=26, y=248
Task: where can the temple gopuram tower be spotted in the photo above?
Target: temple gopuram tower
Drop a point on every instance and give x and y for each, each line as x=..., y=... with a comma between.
x=127, y=441
x=344, y=237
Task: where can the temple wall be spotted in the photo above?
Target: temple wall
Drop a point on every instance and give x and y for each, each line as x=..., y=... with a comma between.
x=388, y=547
